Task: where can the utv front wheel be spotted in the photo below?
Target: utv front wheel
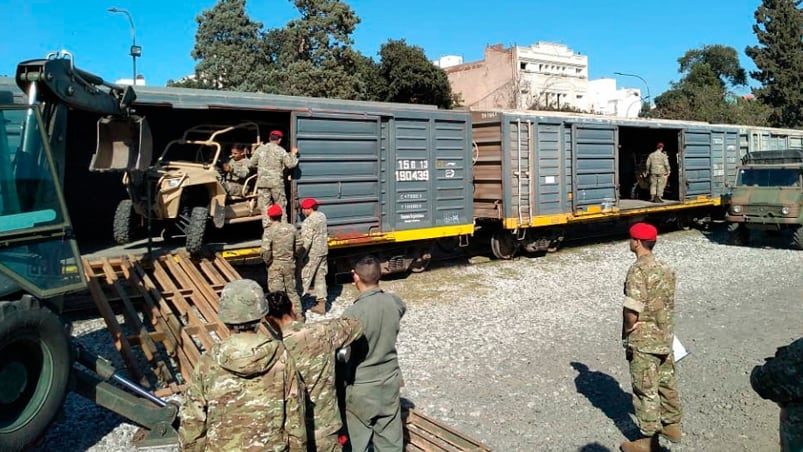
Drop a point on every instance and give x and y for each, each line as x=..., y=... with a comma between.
x=196, y=229
x=127, y=223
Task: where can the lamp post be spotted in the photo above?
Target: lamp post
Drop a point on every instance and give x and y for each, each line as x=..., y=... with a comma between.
x=135, y=49
x=648, y=98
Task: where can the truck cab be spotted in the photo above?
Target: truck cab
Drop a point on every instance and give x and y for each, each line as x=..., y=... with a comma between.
x=768, y=196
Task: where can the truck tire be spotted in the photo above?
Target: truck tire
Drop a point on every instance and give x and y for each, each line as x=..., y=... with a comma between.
x=797, y=237
x=126, y=222
x=196, y=229
x=739, y=235
x=35, y=364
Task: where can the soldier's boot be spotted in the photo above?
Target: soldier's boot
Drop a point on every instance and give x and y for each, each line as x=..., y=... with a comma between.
x=656, y=199
x=320, y=307
x=641, y=445
x=671, y=432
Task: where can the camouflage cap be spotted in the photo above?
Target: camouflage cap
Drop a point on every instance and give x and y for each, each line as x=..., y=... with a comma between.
x=242, y=301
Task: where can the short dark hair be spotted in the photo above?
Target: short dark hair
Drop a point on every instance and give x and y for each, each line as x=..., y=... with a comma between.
x=238, y=146
x=649, y=244
x=368, y=269
x=279, y=304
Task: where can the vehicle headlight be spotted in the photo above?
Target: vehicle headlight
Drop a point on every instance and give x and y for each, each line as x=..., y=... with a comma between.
x=172, y=183
x=784, y=211
x=736, y=209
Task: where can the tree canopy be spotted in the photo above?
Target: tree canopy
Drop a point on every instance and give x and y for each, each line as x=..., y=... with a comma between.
x=779, y=59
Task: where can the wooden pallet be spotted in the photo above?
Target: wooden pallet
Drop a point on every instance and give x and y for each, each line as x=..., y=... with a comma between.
x=424, y=434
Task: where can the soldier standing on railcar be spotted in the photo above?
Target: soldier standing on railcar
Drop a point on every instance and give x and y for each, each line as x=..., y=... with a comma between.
x=279, y=246
x=780, y=379
x=658, y=170
x=647, y=333
x=314, y=252
x=271, y=161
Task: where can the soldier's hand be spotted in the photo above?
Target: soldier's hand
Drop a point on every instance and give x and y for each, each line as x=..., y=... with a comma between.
x=294, y=150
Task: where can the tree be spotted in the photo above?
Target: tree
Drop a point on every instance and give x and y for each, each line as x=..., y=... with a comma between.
x=411, y=77
x=779, y=59
x=702, y=93
x=229, y=49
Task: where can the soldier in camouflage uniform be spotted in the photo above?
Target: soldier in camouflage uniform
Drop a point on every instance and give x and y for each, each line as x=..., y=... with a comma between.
x=373, y=404
x=314, y=252
x=236, y=170
x=658, y=170
x=272, y=161
x=780, y=379
x=647, y=332
x=279, y=245
x=313, y=347
x=245, y=393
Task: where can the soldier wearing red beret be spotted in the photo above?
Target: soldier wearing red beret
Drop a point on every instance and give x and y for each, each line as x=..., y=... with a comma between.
x=272, y=163
x=279, y=246
x=314, y=253
x=647, y=333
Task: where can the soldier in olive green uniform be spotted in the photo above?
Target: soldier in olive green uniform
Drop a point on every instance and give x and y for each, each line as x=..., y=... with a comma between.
x=314, y=252
x=279, y=246
x=236, y=170
x=647, y=332
x=272, y=161
x=658, y=170
x=313, y=347
x=373, y=404
x=244, y=393
x=780, y=379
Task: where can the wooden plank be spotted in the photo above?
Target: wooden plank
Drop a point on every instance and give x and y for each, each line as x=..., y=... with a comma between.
x=225, y=268
x=456, y=439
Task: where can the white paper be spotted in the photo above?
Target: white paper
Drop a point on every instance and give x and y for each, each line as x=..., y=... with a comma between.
x=678, y=350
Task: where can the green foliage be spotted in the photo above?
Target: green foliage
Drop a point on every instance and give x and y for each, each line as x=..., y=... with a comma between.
x=411, y=77
x=702, y=94
x=779, y=59
x=229, y=48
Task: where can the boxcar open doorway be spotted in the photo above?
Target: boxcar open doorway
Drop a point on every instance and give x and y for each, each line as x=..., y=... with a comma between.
x=635, y=144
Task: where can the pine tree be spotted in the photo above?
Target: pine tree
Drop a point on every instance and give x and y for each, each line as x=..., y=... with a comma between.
x=779, y=59
x=411, y=77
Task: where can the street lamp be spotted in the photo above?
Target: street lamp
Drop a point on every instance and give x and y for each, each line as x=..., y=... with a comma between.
x=135, y=49
x=649, y=98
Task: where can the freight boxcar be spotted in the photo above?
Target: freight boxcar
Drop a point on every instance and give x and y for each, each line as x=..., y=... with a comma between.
x=537, y=173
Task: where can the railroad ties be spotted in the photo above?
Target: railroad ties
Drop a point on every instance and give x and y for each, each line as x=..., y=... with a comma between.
x=162, y=315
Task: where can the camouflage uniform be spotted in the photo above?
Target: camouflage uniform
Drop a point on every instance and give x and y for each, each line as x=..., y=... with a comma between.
x=271, y=161
x=233, y=181
x=244, y=395
x=313, y=348
x=373, y=404
x=315, y=244
x=279, y=244
x=650, y=291
x=780, y=379
x=658, y=170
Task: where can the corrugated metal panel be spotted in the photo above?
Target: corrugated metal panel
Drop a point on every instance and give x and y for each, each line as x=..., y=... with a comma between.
x=340, y=168
x=550, y=174
x=488, y=181
x=697, y=162
x=594, y=164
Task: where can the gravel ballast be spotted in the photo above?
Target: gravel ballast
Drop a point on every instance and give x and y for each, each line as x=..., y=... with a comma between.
x=526, y=354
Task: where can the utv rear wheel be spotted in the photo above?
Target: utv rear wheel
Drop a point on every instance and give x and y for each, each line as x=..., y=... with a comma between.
x=797, y=237
x=127, y=223
x=35, y=365
x=196, y=229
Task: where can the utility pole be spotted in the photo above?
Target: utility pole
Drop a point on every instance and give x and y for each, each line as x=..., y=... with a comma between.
x=648, y=98
x=136, y=50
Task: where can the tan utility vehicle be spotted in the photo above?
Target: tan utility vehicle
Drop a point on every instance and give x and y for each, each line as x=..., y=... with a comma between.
x=185, y=187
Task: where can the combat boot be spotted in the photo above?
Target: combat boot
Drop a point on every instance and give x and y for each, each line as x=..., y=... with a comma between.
x=671, y=432
x=320, y=307
x=641, y=445
x=656, y=199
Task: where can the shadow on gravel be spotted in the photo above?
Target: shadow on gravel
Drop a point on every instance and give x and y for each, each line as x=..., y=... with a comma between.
x=781, y=240
x=603, y=392
x=593, y=447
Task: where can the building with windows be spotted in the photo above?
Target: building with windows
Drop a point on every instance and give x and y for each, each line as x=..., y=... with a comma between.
x=542, y=75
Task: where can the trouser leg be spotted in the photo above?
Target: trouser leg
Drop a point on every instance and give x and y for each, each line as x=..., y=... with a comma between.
x=320, y=279
x=654, y=185
x=646, y=399
x=289, y=282
x=661, y=186
x=670, y=397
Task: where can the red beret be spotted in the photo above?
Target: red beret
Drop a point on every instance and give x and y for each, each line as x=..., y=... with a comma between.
x=660, y=145
x=308, y=203
x=275, y=211
x=278, y=133
x=643, y=231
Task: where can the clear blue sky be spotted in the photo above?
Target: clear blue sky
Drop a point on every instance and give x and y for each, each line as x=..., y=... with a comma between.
x=641, y=37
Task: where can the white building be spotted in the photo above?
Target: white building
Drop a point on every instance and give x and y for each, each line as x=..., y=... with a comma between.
x=448, y=60
x=606, y=99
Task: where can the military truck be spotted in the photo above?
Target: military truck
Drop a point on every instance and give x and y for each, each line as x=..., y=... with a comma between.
x=39, y=259
x=768, y=196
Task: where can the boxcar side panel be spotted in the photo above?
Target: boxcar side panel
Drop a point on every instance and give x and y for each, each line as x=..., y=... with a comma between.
x=594, y=165
x=696, y=155
x=550, y=174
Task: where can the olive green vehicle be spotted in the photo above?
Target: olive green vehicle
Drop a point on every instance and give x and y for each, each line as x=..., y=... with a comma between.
x=185, y=188
x=40, y=263
x=768, y=196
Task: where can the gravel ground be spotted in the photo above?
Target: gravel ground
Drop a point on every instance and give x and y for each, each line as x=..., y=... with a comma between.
x=525, y=354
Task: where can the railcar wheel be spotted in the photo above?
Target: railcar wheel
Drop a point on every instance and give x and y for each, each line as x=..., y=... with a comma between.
x=35, y=365
x=503, y=245
x=196, y=229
